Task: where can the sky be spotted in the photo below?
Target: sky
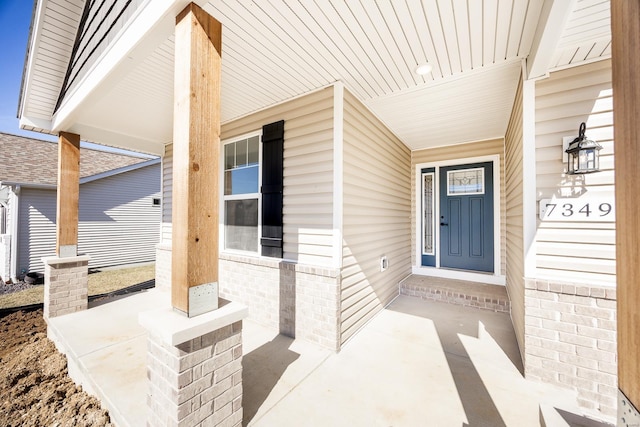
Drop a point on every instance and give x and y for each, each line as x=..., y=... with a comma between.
x=15, y=19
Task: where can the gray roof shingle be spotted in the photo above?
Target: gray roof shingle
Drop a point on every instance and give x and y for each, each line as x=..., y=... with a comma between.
x=34, y=161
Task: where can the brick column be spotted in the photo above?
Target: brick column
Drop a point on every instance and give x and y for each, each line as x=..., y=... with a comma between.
x=195, y=367
x=65, y=285
x=570, y=341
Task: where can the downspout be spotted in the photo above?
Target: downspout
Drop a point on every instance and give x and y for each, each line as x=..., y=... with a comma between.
x=14, y=232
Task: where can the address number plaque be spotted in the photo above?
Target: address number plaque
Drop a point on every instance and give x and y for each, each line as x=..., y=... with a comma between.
x=581, y=209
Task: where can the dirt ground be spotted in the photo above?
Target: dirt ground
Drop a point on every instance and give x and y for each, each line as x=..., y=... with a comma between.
x=35, y=389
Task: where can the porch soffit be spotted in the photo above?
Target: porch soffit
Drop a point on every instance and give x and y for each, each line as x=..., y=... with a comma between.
x=274, y=50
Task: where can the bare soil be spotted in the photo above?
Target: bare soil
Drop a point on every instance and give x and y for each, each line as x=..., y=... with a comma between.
x=35, y=389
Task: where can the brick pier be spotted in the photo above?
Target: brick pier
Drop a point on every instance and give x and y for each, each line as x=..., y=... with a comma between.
x=195, y=367
x=65, y=285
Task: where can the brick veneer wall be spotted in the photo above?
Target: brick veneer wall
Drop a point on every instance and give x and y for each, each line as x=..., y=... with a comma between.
x=300, y=301
x=197, y=383
x=570, y=341
x=163, y=266
x=297, y=300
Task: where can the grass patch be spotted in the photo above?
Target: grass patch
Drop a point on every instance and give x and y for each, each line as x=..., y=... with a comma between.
x=101, y=282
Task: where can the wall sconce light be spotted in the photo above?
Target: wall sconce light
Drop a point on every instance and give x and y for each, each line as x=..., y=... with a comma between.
x=583, y=156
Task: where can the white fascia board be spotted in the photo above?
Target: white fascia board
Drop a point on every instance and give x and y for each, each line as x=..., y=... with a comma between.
x=35, y=124
x=152, y=23
x=119, y=171
x=117, y=140
x=34, y=41
x=553, y=19
x=34, y=185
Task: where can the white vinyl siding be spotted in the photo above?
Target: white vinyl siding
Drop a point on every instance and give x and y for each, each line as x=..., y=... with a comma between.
x=575, y=251
x=118, y=223
x=167, y=191
x=37, y=228
x=514, y=194
x=452, y=152
x=308, y=173
x=376, y=216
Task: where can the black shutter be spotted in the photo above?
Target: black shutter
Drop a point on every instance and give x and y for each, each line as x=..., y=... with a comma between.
x=272, y=174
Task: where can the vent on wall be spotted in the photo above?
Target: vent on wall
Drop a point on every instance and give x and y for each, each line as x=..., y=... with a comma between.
x=384, y=263
x=156, y=201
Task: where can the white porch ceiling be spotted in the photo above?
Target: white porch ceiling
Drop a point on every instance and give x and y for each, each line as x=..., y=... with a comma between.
x=274, y=50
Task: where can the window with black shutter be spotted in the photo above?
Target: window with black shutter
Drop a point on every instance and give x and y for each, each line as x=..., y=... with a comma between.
x=252, y=192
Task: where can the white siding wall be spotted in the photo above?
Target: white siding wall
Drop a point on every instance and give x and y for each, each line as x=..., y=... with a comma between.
x=167, y=191
x=376, y=216
x=308, y=173
x=575, y=251
x=118, y=222
x=452, y=152
x=514, y=215
x=37, y=228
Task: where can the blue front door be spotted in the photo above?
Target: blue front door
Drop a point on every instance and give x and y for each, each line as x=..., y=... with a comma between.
x=466, y=217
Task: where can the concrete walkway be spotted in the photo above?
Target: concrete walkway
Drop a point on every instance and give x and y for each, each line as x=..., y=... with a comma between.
x=418, y=363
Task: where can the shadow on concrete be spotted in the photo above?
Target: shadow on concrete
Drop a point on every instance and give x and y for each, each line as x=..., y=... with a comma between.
x=450, y=324
x=261, y=370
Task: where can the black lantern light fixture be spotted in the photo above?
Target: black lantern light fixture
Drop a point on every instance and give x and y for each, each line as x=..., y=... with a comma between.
x=583, y=156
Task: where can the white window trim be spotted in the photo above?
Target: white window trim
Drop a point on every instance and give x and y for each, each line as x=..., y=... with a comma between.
x=223, y=198
x=493, y=278
x=433, y=209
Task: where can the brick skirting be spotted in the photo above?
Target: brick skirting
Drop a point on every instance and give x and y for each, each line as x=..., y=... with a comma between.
x=570, y=341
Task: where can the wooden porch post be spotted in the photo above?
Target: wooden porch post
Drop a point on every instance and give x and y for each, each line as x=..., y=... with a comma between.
x=196, y=142
x=68, y=194
x=625, y=29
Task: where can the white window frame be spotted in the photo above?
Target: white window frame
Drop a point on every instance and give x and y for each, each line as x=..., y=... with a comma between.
x=433, y=210
x=224, y=198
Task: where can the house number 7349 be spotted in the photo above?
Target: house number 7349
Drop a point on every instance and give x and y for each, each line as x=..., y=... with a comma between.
x=581, y=209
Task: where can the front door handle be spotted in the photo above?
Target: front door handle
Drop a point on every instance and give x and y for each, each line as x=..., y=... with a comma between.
x=444, y=223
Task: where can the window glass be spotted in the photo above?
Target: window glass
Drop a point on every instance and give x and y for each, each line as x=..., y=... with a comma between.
x=465, y=181
x=242, y=194
x=241, y=153
x=241, y=181
x=241, y=166
x=241, y=225
x=254, y=147
x=427, y=213
x=229, y=156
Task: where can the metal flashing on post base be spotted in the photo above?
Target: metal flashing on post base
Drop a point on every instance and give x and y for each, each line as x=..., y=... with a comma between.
x=628, y=415
x=203, y=299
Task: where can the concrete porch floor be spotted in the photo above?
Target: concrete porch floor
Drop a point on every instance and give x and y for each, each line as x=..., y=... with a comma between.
x=418, y=363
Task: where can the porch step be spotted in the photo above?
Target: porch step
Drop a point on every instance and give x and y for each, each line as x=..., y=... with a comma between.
x=460, y=292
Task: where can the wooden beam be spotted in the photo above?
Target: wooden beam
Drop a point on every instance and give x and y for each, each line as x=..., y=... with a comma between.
x=68, y=194
x=196, y=148
x=625, y=29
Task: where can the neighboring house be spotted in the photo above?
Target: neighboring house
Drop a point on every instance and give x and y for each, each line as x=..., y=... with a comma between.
x=342, y=171
x=119, y=206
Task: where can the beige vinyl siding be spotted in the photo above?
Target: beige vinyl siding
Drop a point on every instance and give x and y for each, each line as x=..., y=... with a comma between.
x=575, y=251
x=167, y=191
x=452, y=152
x=36, y=228
x=376, y=205
x=514, y=194
x=308, y=172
